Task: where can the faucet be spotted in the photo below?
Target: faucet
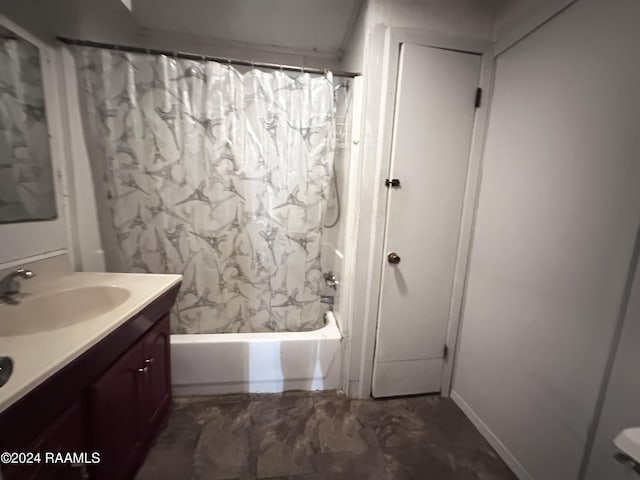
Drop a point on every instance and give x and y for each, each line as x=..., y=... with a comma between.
x=330, y=280
x=10, y=287
x=6, y=369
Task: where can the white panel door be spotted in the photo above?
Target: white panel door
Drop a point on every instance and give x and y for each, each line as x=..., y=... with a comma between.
x=434, y=116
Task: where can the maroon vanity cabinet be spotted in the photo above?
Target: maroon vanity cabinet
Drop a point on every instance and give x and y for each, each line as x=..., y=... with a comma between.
x=113, y=400
x=157, y=375
x=68, y=433
x=116, y=413
x=129, y=403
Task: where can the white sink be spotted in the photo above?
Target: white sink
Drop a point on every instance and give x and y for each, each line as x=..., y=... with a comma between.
x=59, y=309
x=629, y=442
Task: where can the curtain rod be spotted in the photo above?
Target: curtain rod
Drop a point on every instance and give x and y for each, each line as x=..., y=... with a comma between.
x=194, y=56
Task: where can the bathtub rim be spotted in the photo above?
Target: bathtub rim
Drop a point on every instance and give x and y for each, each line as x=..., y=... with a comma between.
x=329, y=330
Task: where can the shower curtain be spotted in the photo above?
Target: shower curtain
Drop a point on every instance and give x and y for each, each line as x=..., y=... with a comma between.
x=219, y=175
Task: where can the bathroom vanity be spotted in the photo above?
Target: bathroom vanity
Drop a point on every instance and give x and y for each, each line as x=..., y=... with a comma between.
x=99, y=388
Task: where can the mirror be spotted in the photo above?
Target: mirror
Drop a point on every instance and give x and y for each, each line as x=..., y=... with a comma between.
x=26, y=174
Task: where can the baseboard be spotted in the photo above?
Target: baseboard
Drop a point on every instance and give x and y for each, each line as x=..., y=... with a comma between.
x=511, y=461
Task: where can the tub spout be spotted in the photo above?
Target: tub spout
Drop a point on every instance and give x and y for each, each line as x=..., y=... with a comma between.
x=328, y=299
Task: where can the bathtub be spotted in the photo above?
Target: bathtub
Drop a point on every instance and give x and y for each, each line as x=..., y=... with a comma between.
x=206, y=364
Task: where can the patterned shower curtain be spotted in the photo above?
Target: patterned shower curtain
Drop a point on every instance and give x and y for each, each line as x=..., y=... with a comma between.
x=219, y=175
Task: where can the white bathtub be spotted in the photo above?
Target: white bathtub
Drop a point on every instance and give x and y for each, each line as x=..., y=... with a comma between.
x=205, y=364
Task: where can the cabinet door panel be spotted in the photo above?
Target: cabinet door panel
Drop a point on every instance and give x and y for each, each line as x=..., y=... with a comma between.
x=67, y=434
x=117, y=417
x=158, y=375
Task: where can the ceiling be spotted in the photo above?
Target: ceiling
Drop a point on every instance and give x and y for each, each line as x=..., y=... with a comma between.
x=310, y=25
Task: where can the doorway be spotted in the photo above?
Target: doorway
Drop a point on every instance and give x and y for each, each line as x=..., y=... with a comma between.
x=433, y=124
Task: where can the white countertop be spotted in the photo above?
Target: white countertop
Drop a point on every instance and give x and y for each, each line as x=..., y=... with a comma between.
x=38, y=356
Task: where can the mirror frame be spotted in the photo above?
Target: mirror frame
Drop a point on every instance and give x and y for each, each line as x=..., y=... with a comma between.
x=30, y=240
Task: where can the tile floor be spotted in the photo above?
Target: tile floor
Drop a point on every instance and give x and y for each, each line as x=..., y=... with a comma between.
x=317, y=436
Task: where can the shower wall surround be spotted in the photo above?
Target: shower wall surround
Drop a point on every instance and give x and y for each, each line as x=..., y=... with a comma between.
x=222, y=176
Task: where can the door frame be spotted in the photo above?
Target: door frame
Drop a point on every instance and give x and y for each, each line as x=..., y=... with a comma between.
x=378, y=148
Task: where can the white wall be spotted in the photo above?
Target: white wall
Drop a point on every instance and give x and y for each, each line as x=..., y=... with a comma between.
x=310, y=25
x=459, y=18
x=621, y=407
x=515, y=13
x=355, y=44
x=237, y=50
x=558, y=210
x=517, y=18
x=111, y=21
x=106, y=20
x=334, y=238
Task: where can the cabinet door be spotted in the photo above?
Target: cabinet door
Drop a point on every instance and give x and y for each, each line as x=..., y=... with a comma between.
x=117, y=416
x=67, y=434
x=158, y=373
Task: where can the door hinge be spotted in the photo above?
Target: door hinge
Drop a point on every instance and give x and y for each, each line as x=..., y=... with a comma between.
x=393, y=182
x=478, y=101
x=445, y=352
